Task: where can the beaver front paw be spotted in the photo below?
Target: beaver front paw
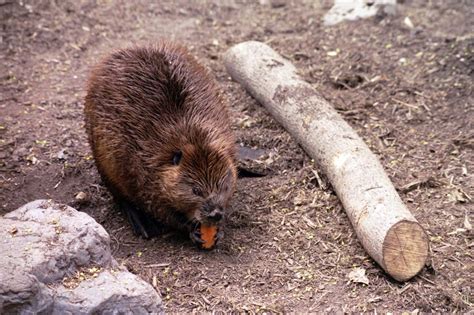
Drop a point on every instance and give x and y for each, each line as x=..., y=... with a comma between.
x=195, y=236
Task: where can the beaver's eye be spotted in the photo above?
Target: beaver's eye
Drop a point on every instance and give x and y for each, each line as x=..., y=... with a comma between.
x=197, y=191
x=177, y=157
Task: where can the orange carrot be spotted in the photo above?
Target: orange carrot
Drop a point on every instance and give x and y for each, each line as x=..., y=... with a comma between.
x=208, y=235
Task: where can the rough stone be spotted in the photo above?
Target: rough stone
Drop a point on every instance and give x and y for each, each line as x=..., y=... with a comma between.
x=350, y=10
x=108, y=292
x=42, y=243
x=49, y=241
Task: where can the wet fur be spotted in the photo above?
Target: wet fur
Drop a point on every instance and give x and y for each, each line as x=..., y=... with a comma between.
x=143, y=105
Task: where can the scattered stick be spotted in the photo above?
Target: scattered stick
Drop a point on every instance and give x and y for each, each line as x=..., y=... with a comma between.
x=386, y=228
x=158, y=265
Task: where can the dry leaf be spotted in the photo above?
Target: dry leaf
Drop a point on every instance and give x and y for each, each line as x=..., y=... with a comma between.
x=467, y=224
x=357, y=275
x=407, y=21
x=457, y=195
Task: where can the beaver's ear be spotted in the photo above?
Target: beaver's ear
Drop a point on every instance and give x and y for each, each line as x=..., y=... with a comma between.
x=177, y=157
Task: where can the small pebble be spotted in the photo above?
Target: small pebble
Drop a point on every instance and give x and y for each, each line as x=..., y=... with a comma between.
x=81, y=196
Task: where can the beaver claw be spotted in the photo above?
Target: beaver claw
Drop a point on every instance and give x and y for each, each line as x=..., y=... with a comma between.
x=195, y=236
x=219, y=235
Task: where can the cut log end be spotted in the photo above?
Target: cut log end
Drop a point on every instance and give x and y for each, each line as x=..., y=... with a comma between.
x=405, y=250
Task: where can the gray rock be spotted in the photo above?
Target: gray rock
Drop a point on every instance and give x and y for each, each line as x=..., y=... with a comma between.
x=358, y=9
x=44, y=242
x=109, y=292
x=23, y=294
x=49, y=241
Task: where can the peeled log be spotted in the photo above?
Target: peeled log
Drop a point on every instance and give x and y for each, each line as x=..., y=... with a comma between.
x=386, y=228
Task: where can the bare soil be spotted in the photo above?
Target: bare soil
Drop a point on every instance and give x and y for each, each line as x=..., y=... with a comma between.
x=289, y=245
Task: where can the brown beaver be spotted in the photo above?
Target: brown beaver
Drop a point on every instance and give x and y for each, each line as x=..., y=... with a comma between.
x=160, y=135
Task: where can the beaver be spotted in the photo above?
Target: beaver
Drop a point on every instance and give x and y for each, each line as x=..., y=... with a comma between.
x=159, y=130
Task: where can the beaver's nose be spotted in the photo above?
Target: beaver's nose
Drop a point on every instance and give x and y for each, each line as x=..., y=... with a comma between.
x=215, y=215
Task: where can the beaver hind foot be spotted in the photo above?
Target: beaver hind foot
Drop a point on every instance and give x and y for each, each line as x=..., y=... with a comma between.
x=143, y=224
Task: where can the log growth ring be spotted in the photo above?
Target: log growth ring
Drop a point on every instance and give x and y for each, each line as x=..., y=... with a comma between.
x=405, y=250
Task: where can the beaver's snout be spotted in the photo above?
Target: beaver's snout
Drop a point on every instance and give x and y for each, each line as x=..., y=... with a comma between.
x=215, y=216
x=212, y=212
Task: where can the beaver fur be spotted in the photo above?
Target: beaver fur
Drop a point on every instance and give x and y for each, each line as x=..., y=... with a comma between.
x=160, y=135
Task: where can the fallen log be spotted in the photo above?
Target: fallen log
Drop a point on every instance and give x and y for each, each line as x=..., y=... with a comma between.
x=385, y=227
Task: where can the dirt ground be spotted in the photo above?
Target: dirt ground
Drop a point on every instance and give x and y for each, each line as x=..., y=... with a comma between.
x=289, y=245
